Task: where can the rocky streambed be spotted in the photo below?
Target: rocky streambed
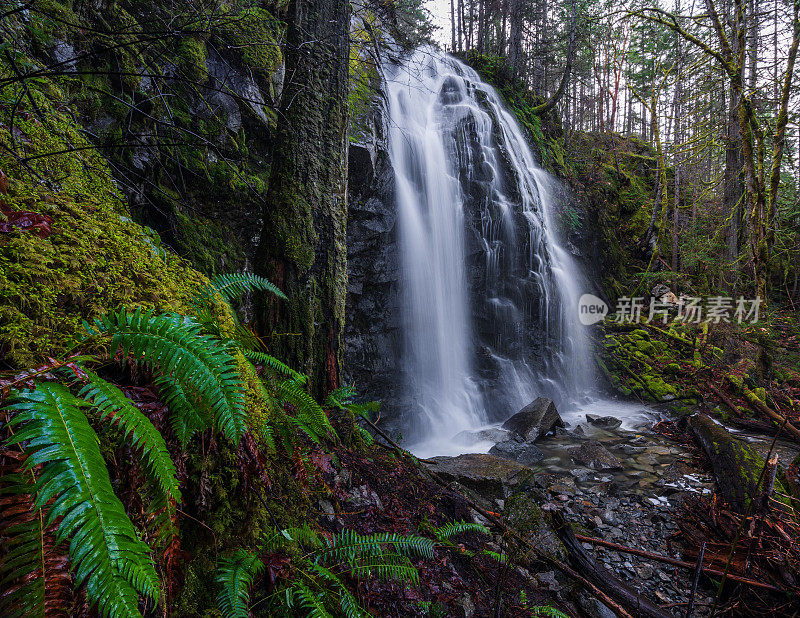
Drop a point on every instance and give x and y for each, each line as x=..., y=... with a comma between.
x=620, y=484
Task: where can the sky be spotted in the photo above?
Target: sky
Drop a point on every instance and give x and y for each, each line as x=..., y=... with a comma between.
x=440, y=12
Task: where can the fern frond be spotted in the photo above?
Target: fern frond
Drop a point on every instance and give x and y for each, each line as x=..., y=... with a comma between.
x=235, y=576
x=453, y=528
x=343, y=397
x=302, y=536
x=112, y=404
x=310, y=415
x=310, y=601
x=347, y=602
x=349, y=546
x=501, y=558
x=386, y=571
x=175, y=345
x=276, y=365
x=33, y=573
x=232, y=285
x=186, y=417
x=104, y=547
x=546, y=610
x=365, y=435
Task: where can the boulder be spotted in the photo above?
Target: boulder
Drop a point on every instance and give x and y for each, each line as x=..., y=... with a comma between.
x=604, y=422
x=525, y=453
x=534, y=420
x=487, y=475
x=492, y=434
x=736, y=465
x=593, y=454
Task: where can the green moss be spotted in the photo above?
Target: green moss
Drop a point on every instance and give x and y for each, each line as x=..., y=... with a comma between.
x=211, y=246
x=255, y=33
x=96, y=258
x=191, y=53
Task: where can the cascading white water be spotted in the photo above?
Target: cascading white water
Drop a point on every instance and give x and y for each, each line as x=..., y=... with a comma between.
x=490, y=294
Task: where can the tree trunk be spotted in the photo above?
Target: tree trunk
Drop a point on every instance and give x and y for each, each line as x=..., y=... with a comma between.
x=303, y=242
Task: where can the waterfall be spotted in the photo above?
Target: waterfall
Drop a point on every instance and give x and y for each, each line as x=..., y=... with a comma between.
x=490, y=293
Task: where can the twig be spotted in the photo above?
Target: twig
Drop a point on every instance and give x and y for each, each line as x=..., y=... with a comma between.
x=673, y=561
x=696, y=580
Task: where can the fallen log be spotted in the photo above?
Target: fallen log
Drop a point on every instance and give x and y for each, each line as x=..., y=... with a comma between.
x=736, y=465
x=725, y=399
x=760, y=406
x=674, y=562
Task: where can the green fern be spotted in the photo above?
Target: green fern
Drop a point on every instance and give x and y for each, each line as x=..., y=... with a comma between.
x=497, y=557
x=349, y=546
x=232, y=285
x=453, y=528
x=310, y=416
x=347, y=602
x=343, y=397
x=312, y=602
x=276, y=365
x=301, y=536
x=198, y=364
x=235, y=576
x=104, y=547
x=546, y=610
x=113, y=405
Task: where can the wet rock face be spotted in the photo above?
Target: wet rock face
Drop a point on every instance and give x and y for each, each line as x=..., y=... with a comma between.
x=522, y=452
x=493, y=434
x=534, y=420
x=604, y=422
x=489, y=476
x=373, y=336
x=593, y=454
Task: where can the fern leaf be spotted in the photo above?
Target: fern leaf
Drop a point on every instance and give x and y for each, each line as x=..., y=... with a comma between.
x=386, y=571
x=235, y=576
x=302, y=536
x=186, y=417
x=203, y=368
x=104, y=547
x=365, y=435
x=310, y=415
x=33, y=573
x=501, y=558
x=232, y=285
x=349, y=546
x=347, y=602
x=112, y=404
x=276, y=365
x=546, y=610
x=453, y=528
x=310, y=601
x=343, y=397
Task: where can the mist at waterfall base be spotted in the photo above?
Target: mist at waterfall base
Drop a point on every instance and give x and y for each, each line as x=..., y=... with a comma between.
x=490, y=294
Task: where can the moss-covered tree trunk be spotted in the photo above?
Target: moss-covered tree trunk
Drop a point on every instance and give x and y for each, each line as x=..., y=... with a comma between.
x=303, y=245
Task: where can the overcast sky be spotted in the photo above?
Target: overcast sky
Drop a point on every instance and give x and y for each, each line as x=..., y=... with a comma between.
x=440, y=11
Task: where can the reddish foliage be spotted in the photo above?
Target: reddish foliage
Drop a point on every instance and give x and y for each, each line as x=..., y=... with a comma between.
x=16, y=510
x=38, y=224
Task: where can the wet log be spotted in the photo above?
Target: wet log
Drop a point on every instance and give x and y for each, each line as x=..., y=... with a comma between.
x=760, y=406
x=736, y=465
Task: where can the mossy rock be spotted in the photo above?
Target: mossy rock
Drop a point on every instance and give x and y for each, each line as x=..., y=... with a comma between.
x=96, y=259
